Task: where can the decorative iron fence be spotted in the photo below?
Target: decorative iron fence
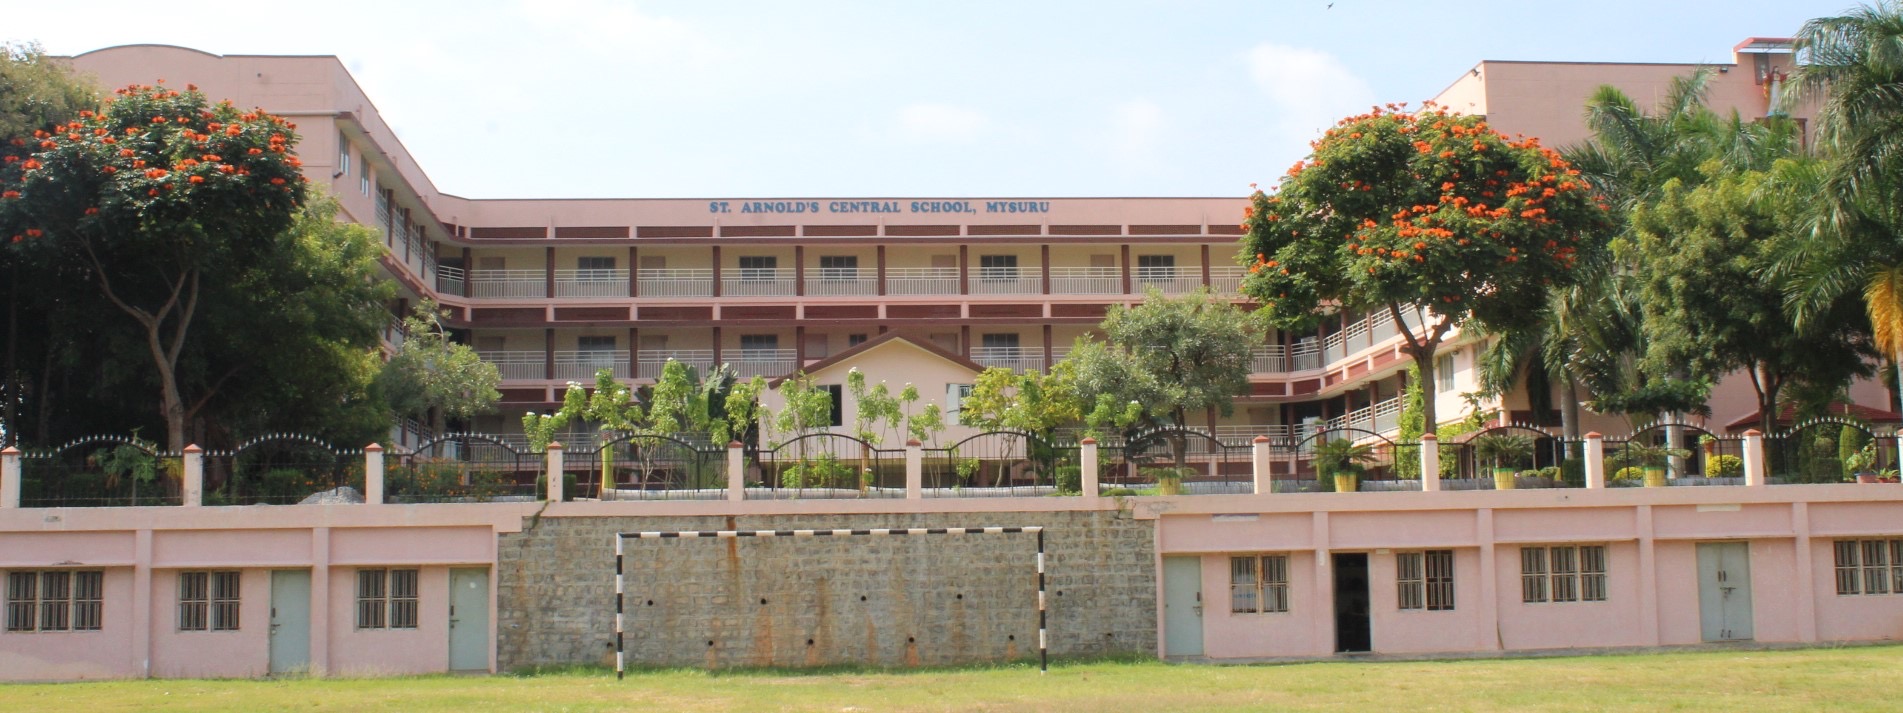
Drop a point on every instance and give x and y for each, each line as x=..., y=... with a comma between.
x=636, y=467
x=464, y=468
x=1002, y=464
x=826, y=465
x=1829, y=450
x=279, y=469
x=100, y=471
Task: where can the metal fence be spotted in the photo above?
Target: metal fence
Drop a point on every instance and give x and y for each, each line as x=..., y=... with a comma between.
x=1174, y=461
x=463, y=468
x=636, y=467
x=100, y=471
x=826, y=465
x=1002, y=464
x=1829, y=451
x=279, y=469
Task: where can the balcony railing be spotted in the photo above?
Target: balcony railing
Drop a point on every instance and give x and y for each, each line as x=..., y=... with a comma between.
x=676, y=282
x=921, y=281
x=1015, y=358
x=841, y=282
x=757, y=282
x=582, y=365
x=508, y=283
x=1381, y=417
x=591, y=283
x=748, y=363
x=650, y=362
x=1006, y=281
x=518, y=366
x=1086, y=281
x=449, y=280
x=1168, y=280
x=1226, y=280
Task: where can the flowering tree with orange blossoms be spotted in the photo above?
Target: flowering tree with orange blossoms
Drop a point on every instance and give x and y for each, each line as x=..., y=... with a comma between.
x=1399, y=210
x=156, y=201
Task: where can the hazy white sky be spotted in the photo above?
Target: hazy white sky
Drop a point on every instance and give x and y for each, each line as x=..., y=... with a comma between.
x=604, y=98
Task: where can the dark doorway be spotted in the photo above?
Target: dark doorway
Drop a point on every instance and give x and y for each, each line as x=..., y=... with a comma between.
x=1352, y=633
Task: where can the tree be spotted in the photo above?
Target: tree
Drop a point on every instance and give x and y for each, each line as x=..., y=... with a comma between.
x=161, y=204
x=1032, y=401
x=434, y=378
x=1403, y=211
x=1711, y=306
x=1172, y=356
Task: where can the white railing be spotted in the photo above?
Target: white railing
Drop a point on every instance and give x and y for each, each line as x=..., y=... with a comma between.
x=1268, y=359
x=582, y=365
x=1086, y=281
x=1006, y=281
x=649, y=363
x=508, y=283
x=748, y=363
x=757, y=282
x=449, y=280
x=1381, y=417
x=1305, y=355
x=591, y=283
x=518, y=366
x=1226, y=279
x=383, y=216
x=921, y=281
x=675, y=282
x=1015, y=358
x=1168, y=280
x=1369, y=331
x=841, y=282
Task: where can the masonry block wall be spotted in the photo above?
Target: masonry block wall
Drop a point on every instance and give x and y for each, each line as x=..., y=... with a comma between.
x=892, y=601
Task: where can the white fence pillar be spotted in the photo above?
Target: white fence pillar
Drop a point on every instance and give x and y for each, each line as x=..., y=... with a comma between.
x=1430, y=463
x=914, y=469
x=1263, y=469
x=736, y=471
x=373, y=474
x=1087, y=468
x=1595, y=460
x=1753, y=458
x=10, y=477
x=194, y=485
x=556, y=470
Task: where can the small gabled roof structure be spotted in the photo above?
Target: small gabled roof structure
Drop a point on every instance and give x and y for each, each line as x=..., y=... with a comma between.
x=889, y=340
x=1787, y=416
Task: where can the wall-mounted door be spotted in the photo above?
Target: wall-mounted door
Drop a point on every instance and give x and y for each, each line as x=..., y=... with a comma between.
x=1724, y=590
x=469, y=619
x=1182, y=606
x=290, y=621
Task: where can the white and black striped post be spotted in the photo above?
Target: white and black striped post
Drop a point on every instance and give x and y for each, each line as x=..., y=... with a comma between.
x=1043, y=640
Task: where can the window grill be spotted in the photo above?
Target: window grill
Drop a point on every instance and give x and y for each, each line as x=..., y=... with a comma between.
x=1565, y=574
x=1592, y=573
x=372, y=605
x=1258, y=584
x=23, y=598
x=1440, y=580
x=403, y=598
x=1407, y=571
x=1533, y=577
x=194, y=601
x=56, y=599
x=1869, y=566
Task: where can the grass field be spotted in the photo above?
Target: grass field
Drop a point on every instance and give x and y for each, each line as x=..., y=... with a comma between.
x=1843, y=679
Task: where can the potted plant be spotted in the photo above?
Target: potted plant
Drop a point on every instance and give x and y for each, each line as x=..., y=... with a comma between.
x=1652, y=460
x=1506, y=451
x=1344, y=460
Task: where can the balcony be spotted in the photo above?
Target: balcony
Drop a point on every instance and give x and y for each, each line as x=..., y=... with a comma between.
x=649, y=363
x=508, y=283
x=1381, y=417
x=518, y=366
x=1226, y=280
x=1086, y=281
x=748, y=363
x=841, y=282
x=921, y=281
x=450, y=280
x=758, y=282
x=1014, y=358
x=1005, y=281
x=1167, y=280
x=675, y=283
x=591, y=283
x=582, y=365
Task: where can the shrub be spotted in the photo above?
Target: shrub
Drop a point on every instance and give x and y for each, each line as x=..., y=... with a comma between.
x=1724, y=466
x=1631, y=472
x=1070, y=479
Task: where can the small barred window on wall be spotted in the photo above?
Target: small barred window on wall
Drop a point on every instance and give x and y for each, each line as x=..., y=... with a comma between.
x=1869, y=566
x=386, y=598
x=55, y=600
x=1425, y=580
x=1258, y=584
x=1563, y=573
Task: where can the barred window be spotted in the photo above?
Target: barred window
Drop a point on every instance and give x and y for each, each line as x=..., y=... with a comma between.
x=1869, y=566
x=1407, y=574
x=386, y=598
x=208, y=601
x=1566, y=573
x=1258, y=584
x=55, y=600
x=1440, y=580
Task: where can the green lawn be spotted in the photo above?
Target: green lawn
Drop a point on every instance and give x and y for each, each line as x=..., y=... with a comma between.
x=1850, y=679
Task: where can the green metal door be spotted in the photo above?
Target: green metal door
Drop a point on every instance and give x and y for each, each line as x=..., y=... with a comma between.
x=290, y=621
x=1724, y=591
x=469, y=620
x=1182, y=606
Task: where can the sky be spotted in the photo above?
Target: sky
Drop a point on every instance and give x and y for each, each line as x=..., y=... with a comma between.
x=619, y=99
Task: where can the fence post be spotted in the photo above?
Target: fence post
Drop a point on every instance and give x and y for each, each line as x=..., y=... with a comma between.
x=553, y=455
x=1087, y=468
x=10, y=477
x=914, y=469
x=373, y=474
x=1259, y=457
x=1753, y=458
x=194, y=476
x=1595, y=460
x=736, y=471
x=1430, y=463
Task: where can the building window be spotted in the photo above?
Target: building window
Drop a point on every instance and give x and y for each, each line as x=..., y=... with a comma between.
x=1444, y=373
x=1869, y=566
x=1156, y=267
x=595, y=263
x=1426, y=579
x=343, y=155
x=595, y=344
x=208, y=601
x=55, y=600
x=363, y=178
x=838, y=399
x=758, y=267
x=838, y=267
x=997, y=267
x=1258, y=584
x=853, y=340
x=1000, y=341
x=955, y=395
x=1563, y=574
x=758, y=343
x=386, y=598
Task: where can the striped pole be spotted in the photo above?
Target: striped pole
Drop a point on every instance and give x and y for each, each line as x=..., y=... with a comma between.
x=1043, y=639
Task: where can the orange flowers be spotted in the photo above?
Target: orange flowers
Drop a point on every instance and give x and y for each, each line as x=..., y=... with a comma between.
x=10, y=194
x=92, y=211
x=31, y=165
x=34, y=232
x=277, y=181
x=197, y=179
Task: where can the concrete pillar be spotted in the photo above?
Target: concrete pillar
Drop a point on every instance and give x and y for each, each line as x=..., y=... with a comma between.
x=194, y=485
x=1430, y=463
x=1264, y=473
x=1595, y=460
x=1087, y=465
x=555, y=471
x=373, y=474
x=10, y=477
x=1753, y=458
x=914, y=470
x=736, y=471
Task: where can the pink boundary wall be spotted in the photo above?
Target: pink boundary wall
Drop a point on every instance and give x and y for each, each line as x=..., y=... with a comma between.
x=1650, y=534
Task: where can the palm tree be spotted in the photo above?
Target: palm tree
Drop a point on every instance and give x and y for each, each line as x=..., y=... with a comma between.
x=1852, y=65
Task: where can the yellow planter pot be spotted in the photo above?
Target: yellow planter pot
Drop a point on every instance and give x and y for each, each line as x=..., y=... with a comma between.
x=1347, y=483
x=1503, y=479
x=1655, y=477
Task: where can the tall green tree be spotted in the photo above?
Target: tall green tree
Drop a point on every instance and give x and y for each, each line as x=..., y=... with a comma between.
x=1398, y=212
x=436, y=379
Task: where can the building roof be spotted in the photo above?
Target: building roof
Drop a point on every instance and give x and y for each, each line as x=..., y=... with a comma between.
x=1787, y=415
x=875, y=343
